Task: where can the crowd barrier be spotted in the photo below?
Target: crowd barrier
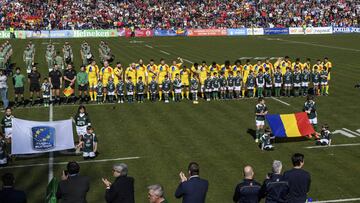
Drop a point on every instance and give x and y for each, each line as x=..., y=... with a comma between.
x=45, y=34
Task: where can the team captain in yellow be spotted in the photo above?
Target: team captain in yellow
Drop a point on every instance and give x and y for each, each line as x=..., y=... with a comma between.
x=163, y=70
x=105, y=73
x=93, y=74
x=175, y=69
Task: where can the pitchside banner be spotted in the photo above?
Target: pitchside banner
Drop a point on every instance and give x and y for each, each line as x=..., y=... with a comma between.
x=95, y=33
x=255, y=31
x=171, y=32
x=4, y=34
x=236, y=32
x=296, y=31
x=140, y=33
x=276, y=31
x=30, y=137
x=346, y=30
x=318, y=30
x=206, y=32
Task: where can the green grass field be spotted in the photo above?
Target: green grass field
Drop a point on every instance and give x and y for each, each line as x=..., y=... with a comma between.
x=167, y=137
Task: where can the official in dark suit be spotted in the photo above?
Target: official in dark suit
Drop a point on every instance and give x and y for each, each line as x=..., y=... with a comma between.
x=122, y=190
x=275, y=188
x=192, y=189
x=73, y=187
x=247, y=191
x=8, y=194
x=299, y=180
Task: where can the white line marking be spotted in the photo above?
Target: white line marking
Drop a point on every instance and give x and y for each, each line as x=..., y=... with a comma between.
x=350, y=131
x=314, y=44
x=164, y=52
x=343, y=133
x=338, y=200
x=358, y=130
x=245, y=57
x=148, y=46
x=339, y=145
x=260, y=57
x=187, y=61
x=51, y=154
x=64, y=163
x=276, y=99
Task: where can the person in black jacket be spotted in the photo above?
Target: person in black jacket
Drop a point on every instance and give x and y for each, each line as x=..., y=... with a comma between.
x=8, y=193
x=73, y=187
x=299, y=180
x=247, y=191
x=192, y=189
x=122, y=190
x=275, y=189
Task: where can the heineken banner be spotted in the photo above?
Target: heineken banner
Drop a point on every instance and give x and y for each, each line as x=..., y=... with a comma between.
x=29, y=137
x=95, y=33
x=4, y=34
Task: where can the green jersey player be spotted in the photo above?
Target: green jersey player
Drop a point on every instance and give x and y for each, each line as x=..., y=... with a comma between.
x=177, y=87
x=153, y=88
x=130, y=88
x=166, y=88
x=297, y=81
x=305, y=80
x=250, y=84
x=238, y=83
x=82, y=121
x=288, y=78
x=194, y=87
x=120, y=91
x=278, y=80
x=310, y=109
x=208, y=86
x=260, y=112
x=140, y=90
x=260, y=83
x=89, y=143
x=6, y=123
x=99, y=91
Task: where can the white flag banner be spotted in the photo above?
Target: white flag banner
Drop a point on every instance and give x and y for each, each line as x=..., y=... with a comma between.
x=29, y=137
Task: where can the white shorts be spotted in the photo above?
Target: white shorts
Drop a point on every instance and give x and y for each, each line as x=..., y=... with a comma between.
x=268, y=85
x=165, y=92
x=259, y=122
x=177, y=91
x=81, y=130
x=277, y=84
x=237, y=88
x=46, y=96
x=207, y=90
x=194, y=91
x=3, y=161
x=250, y=88
x=287, y=85
x=260, y=85
x=305, y=84
x=324, y=141
x=89, y=154
x=313, y=121
x=111, y=93
x=215, y=89
x=223, y=88
x=297, y=84
x=324, y=83
x=160, y=86
x=130, y=93
x=316, y=84
x=230, y=88
x=202, y=88
x=8, y=132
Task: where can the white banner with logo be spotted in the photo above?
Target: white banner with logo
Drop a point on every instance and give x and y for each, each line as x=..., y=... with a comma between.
x=296, y=31
x=29, y=137
x=318, y=30
x=255, y=31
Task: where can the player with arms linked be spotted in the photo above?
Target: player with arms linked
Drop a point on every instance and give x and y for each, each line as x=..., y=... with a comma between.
x=260, y=111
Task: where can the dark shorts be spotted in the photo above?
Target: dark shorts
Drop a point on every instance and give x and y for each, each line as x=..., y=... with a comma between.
x=55, y=86
x=34, y=87
x=83, y=88
x=19, y=90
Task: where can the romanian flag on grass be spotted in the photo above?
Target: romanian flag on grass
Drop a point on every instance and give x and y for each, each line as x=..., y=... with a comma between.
x=290, y=125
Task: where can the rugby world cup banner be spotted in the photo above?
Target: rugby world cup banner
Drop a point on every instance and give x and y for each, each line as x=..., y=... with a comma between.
x=140, y=33
x=29, y=137
x=171, y=32
x=206, y=32
x=95, y=33
x=276, y=31
x=236, y=32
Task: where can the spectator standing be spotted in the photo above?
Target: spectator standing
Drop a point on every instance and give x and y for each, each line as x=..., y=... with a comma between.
x=249, y=190
x=4, y=89
x=73, y=187
x=69, y=81
x=9, y=193
x=275, y=189
x=299, y=180
x=192, y=189
x=122, y=190
x=156, y=194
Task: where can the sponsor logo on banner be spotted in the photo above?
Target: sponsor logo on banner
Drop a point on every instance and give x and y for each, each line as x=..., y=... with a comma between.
x=43, y=137
x=341, y=29
x=4, y=34
x=20, y=34
x=296, y=31
x=121, y=32
x=61, y=34
x=95, y=33
x=235, y=32
x=276, y=31
x=171, y=32
x=37, y=34
x=318, y=30
x=140, y=33
x=255, y=31
x=206, y=32
x=355, y=29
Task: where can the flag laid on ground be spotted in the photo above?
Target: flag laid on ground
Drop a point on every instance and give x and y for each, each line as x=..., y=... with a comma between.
x=30, y=137
x=290, y=125
x=68, y=91
x=51, y=191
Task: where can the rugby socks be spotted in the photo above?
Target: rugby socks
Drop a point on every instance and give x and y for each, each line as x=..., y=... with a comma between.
x=91, y=93
x=160, y=95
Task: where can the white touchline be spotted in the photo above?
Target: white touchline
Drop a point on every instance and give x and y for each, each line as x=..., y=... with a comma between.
x=276, y=99
x=164, y=52
x=148, y=46
x=317, y=45
x=51, y=154
x=64, y=163
x=188, y=61
x=338, y=200
x=350, y=131
x=339, y=145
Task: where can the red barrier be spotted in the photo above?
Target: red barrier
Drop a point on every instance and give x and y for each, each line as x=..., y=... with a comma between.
x=206, y=32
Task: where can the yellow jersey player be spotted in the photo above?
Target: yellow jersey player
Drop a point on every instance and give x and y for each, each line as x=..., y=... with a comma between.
x=93, y=74
x=246, y=71
x=257, y=67
x=118, y=73
x=141, y=71
x=163, y=69
x=214, y=68
x=152, y=71
x=225, y=68
x=131, y=72
x=328, y=66
x=237, y=68
x=203, y=64
x=105, y=73
x=298, y=64
x=318, y=66
x=285, y=64
x=307, y=65
x=268, y=66
x=202, y=72
x=184, y=75
x=175, y=69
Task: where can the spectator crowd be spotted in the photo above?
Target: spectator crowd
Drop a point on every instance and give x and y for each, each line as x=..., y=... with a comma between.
x=174, y=14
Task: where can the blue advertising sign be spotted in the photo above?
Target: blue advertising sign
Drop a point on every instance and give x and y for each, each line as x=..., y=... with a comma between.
x=61, y=34
x=171, y=32
x=235, y=32
x=346, y=29
x=276, y=31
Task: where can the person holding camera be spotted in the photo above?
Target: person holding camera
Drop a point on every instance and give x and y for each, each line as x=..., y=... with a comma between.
x=73, y=187
x=275, y=189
